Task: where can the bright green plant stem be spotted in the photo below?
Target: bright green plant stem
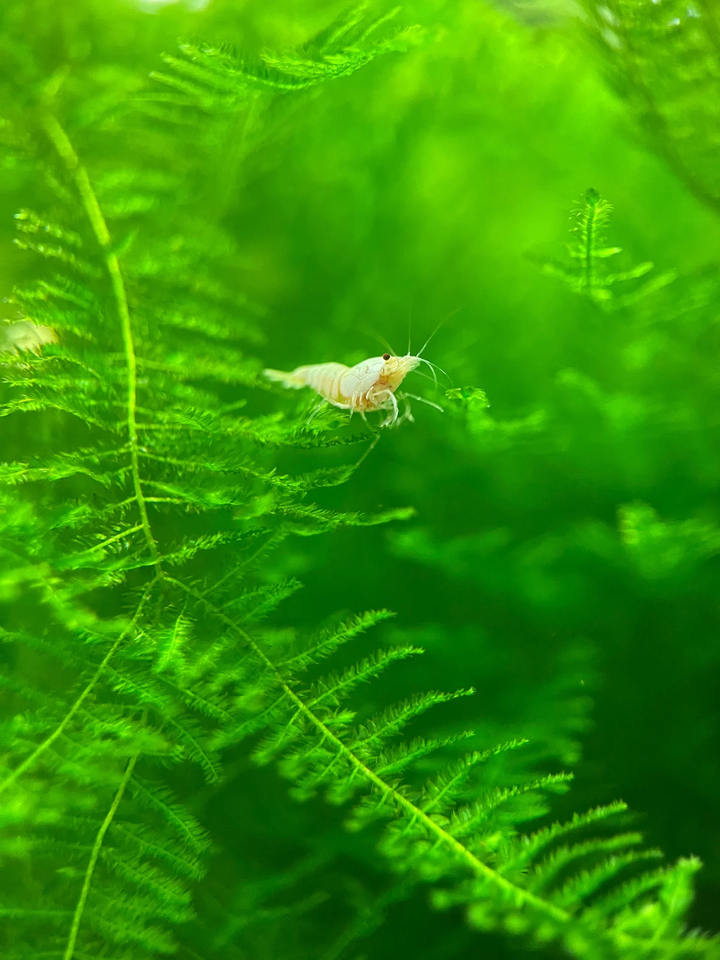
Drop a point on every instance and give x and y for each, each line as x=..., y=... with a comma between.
x=67, y=154
x=97, y=846
x=519, y=896
x=589, y=243
x=58, y=731
x=476, y=865
x=94, y=214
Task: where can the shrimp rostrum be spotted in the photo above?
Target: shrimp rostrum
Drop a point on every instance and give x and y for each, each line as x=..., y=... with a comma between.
x=368, y=386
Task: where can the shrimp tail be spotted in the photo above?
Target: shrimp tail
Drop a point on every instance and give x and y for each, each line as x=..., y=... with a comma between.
x=287, y=379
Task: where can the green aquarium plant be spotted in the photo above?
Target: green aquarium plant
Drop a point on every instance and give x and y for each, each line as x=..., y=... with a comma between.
x=199, y=759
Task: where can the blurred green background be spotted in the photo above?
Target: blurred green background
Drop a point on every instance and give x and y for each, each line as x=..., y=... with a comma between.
x=564, y=554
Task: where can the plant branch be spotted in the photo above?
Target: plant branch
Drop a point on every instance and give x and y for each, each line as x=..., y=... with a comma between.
x=57, y=732
x=90, y=203
x=95, y=853
x=476, y=865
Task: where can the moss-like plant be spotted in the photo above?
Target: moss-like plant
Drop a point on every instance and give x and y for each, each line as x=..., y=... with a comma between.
x=141, y=497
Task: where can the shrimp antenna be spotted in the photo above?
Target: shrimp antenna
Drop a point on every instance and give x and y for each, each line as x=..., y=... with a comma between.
x=414, y=396
x=380, y=339
x=433, y=367
x=419, y=373
x=444, y=320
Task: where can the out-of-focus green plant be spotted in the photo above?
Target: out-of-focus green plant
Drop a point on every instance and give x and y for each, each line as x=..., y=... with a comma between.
x=152, y=495
x=588, y=272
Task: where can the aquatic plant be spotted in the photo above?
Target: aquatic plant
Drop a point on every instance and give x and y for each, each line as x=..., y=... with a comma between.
x=151, y=503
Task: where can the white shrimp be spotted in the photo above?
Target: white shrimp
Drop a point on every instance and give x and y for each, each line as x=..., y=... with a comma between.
x=369, y=385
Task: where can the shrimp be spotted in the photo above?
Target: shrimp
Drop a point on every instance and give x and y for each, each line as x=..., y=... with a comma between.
x=368, y=386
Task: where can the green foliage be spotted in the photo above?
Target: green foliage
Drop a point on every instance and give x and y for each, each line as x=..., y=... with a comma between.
x=588, y=273
x=152, y=491
x=147, y=337
x=664, y=57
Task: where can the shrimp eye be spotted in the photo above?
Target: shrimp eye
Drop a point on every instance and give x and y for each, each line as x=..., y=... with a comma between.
x=386, y=356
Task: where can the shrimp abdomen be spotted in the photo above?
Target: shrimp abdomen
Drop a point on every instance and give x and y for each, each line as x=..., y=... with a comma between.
x=287, y=379
x=323, y=378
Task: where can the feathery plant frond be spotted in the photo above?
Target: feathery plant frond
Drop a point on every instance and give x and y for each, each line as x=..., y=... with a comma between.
x=664, y=58
x=134, y=339
x=213, y=77
x=587, y=272
x=565, y=882
x=134, y=655
x=215, y=80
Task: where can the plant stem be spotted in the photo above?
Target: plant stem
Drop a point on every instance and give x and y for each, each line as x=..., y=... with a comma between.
x=90, y=203
x=97, y=846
